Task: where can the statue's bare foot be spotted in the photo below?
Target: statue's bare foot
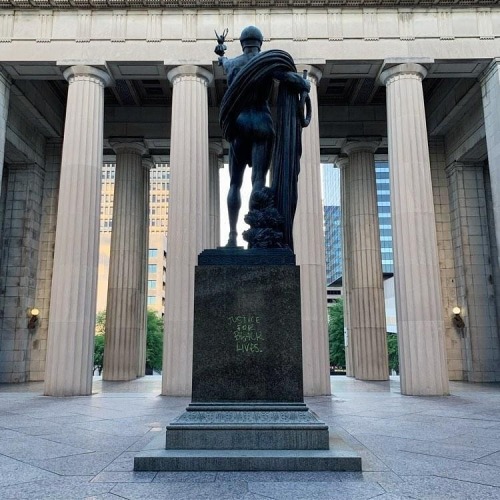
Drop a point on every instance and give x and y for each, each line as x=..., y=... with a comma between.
x=231, y=242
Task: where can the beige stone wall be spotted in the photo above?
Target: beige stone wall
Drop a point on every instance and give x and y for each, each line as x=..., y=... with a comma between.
x=453, y=340
x=38, y=346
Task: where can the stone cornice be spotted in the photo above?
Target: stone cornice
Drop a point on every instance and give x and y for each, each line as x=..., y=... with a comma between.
x=235, y=4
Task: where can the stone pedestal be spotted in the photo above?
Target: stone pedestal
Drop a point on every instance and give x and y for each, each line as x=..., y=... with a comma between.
x=247, y=410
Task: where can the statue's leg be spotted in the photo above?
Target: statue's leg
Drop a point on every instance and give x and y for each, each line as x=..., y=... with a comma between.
x=261, y=160
x=236, y=170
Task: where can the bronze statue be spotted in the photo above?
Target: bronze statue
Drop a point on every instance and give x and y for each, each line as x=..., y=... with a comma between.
x=247, y=125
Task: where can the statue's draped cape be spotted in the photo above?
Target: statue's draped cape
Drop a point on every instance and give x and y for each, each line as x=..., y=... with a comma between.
x=287, y=146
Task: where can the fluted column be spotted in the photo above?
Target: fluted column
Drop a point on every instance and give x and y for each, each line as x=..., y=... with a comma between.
x=125, y=288
x=147, y=165
x=366, y=284
x=188, y=220
x=343, y=163
x=416, y=265
x=490, y=88
x=215, y=151
x=309, y=244
x=69, y=366
x=4, y=111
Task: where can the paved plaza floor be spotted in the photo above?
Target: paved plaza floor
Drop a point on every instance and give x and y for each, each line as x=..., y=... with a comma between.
x=412, y=447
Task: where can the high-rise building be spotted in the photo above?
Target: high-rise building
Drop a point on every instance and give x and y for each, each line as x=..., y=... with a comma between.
x=333, y=223
x=384, y=215
x=158, y=224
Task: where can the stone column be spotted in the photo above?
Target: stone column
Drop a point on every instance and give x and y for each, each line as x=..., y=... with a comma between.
x=366, y=284
x=188, y=220
x=71, y=333
x=147, y=165
x=124, y=314
x=490, y=87
x=309, y=244
x=343, y=163
x=20, y=243
x=419, y=307
x=215, y=151
x=5, y=83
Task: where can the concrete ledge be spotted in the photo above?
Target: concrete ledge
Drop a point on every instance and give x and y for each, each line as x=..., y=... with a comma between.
x=247, y=460
x=340, y=457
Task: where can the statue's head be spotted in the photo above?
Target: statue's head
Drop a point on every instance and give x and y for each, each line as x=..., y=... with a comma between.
x=251, y=37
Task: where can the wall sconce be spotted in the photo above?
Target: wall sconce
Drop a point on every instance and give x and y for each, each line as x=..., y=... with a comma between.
x=457, y=320
x=33, y=318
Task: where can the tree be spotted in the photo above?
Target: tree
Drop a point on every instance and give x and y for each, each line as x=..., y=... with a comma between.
x=100, y=323
x=98, y=352
x=336, y=333
x=392, y=348
x=154, y=341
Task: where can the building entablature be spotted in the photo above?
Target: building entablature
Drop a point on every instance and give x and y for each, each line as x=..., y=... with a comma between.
x=229, y=4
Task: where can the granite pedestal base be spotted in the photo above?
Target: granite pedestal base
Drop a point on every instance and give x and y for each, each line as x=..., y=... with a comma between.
x=247, y=410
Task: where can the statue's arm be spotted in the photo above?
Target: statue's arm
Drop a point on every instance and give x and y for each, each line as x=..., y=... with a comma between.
x=294, y=80
x=223, y=61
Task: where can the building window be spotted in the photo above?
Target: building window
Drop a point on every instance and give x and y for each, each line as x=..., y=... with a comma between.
x=152, y=268
x=151, y=283
x=151, y=300
x=153, y=252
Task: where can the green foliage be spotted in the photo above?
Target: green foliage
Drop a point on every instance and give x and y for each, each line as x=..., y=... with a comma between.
x=336, y=333
x=98, y=352
x=392, y=348
x=100, y=323
x=154, y=341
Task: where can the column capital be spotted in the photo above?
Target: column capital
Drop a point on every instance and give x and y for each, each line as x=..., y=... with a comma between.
x=342, y=161
x=215, y=147
x=356, y=144
x=407, y=69
x=313, y=73
x=83, y=71
x=128, y=145
x=190, y=70
x=148, y=162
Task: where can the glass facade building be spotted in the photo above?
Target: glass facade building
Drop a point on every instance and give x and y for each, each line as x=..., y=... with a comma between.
x=333, y=219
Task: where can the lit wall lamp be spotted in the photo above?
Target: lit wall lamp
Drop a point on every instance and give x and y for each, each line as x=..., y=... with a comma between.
x=457, y=320
x=33, y=318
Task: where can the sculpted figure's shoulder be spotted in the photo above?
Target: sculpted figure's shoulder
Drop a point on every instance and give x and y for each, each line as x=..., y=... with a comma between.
x=232, y=66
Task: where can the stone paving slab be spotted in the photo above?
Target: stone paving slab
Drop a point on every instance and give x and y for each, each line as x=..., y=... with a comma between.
x=84, y=447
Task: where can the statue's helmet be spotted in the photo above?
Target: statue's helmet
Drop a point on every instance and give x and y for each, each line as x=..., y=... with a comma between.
x=251, y=37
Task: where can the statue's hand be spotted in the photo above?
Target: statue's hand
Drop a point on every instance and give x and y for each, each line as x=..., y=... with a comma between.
x=220, y=49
